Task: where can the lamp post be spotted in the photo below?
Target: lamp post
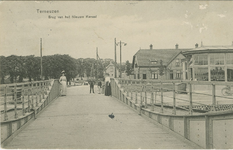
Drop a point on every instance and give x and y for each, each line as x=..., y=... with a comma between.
x=124, y=44
x=115, y=57
x=41, y=67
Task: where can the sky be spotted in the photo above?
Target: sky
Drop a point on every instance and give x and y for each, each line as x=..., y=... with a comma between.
x=137, y=23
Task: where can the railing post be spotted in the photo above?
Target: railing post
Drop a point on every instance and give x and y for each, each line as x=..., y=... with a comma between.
x=120, y=94
x=174, y=99
x=161, y=88
x=155, y=96
x=131, y=95
x=32, y=95
x=36, y=88
x=43, y=90
x=190, y=100
x=5, y=104
x=152, y=101
x=15, y=100
x=213, y=97
x=40, y=92
x=29, y=100
x=22, y=99
x=140, y=106
x=141, y=97
x=136, y=97
x=145, y=99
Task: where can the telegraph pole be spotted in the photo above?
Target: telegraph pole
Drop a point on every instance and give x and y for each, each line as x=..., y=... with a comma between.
x=120, y=59
x=96, y=62
x=115, y=59
x=41, y=68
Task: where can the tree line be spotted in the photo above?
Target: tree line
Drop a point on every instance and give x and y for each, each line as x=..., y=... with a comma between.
x=15, y=69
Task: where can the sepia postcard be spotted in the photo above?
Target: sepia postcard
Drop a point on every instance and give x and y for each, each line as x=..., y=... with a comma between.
x=116, y=74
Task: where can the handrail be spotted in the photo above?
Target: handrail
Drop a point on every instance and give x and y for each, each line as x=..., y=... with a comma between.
x=204, y=129
x=22, y=97
x=177, y=81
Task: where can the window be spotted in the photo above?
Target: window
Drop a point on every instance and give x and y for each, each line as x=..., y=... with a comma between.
x=177, y=63
x=201, y=60
x=178, y=75
x=171, y=74
x=144, y=76
x=153, y=62
x=229, y=58
x=138, y=76
x=230, y=74
x=201, y=74
x=136, y=65
x=217, y=59
x=217, y=74
x=154, y=75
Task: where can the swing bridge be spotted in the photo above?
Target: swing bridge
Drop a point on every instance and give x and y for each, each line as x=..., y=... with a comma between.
x=148, y=114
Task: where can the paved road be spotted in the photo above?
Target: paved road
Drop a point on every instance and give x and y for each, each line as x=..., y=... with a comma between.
x=80, y=120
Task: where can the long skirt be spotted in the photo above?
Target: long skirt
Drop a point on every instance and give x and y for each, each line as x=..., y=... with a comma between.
x=63, y=88
x=108, y=89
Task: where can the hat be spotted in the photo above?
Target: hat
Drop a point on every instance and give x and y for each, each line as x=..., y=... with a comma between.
x=63, y=71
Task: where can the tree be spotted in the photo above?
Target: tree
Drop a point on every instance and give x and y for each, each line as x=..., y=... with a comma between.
x=3, y=69
x=128, y=68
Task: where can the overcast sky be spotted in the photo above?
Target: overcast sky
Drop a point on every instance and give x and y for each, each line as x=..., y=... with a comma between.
x=136, y=23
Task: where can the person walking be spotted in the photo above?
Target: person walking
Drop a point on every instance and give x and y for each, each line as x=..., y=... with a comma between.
x=63, y=81
x=99, y=86
x=92, y=86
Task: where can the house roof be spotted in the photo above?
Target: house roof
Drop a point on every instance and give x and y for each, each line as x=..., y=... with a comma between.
x=111, y=64
x=144, y=56
x=210, y=49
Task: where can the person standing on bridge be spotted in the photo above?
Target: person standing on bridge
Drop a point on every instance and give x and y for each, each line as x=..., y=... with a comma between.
x=99, y=86
x=63, y=81
x=92, y=83
x=107, y=86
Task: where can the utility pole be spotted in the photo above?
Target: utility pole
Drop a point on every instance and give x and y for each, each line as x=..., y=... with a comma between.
x=115, y=59
x=41, y=68
x=120, y=59
x=121, y=55
x=96, y=62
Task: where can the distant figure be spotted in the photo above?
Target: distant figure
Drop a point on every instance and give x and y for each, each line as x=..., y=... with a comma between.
x=107, y=86
x=92, y=83
x=63, y=80
x=99, y=86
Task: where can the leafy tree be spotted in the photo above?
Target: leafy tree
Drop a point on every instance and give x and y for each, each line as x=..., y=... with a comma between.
x=3, y=69
x=128, y=68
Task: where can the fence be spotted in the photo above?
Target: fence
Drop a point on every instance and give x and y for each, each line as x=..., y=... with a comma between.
x=20, y=103
x=182, y=110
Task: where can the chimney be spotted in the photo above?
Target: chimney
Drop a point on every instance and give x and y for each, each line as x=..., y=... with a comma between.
x=196, y=45
x=151, y=46
x=177, y=46
x=232, y=43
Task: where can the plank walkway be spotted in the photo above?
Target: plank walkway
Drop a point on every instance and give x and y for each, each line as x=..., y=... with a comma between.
x=80, y=121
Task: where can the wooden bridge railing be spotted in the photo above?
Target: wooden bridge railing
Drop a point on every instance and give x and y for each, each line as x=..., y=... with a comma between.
x=20, y=103
x=208, y=129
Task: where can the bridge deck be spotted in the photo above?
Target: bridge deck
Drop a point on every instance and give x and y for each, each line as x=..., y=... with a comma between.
x=80, y=120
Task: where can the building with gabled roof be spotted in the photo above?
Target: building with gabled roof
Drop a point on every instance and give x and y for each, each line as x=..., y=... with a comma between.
x=147, y=63
x=110, y=70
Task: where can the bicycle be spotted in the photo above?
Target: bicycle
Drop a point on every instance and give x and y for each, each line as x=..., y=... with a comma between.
x=226, y=91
